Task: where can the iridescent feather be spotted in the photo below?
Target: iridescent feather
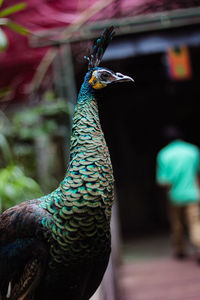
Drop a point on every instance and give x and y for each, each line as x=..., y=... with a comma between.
x=99, y=47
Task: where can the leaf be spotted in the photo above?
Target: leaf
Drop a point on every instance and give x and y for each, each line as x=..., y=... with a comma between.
x=5, y=149
x=17, y=27
x=12, y=9
x=1, y=2
x=5, y=91
x=3, y=41
x=16, y=187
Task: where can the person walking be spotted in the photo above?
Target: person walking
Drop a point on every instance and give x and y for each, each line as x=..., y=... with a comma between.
x=178, y=167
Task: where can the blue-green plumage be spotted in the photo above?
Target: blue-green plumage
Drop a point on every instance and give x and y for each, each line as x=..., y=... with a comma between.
x=14, y=248
x=59, y=245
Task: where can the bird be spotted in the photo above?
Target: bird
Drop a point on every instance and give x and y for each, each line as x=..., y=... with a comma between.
x=58, y=246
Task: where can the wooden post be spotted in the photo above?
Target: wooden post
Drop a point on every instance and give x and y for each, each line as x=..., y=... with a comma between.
x=43, y=156
x=108, y=289
x=68, y=72
x=70, y=90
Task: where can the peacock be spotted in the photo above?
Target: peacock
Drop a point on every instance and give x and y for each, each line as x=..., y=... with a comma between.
x=58, y=246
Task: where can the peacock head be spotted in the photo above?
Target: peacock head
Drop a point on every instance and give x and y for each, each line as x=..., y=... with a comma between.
x=97, y=77
x=102, y=77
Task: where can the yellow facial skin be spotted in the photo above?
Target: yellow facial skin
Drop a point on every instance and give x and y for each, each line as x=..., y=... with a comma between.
x=96, y=84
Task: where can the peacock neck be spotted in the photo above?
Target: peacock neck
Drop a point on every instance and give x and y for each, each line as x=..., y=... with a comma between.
x=90, y=164
x=87, y=136
x=81, y=206
x=86, y=126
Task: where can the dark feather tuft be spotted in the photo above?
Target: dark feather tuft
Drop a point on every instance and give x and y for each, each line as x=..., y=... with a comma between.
x=99, y=47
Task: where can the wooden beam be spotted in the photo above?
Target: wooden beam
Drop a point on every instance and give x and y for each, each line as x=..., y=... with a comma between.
x=128, y=25
x=66, y=33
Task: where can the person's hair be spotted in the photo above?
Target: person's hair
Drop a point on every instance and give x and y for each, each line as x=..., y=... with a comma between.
x=171, y=133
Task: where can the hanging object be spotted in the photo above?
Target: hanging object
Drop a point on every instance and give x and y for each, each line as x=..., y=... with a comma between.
x=178, y=63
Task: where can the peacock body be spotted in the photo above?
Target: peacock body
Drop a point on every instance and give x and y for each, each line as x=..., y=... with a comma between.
x=59, y=245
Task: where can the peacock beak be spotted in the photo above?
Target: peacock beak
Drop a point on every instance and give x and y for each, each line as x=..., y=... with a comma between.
x=122, y=78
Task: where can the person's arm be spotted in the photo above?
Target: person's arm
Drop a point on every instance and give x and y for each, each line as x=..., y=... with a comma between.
x=198, y=170
x=161, y=174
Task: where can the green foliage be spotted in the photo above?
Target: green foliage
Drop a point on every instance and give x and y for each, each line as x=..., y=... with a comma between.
x=5, y=21
x=17, y=27
x=49, y=118
x=5, y=149
x=15, y=187
x=39, y=120
x=12, y=9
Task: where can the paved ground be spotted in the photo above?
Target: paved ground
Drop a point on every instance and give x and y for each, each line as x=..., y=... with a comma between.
x=147, y=276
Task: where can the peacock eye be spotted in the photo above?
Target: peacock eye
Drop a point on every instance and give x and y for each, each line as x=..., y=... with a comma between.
x=104, y=76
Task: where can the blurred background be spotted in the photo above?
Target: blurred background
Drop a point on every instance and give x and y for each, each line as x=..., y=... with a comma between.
x=42, y=45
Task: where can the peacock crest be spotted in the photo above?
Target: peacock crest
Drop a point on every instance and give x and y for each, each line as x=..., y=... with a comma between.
x=99, y=48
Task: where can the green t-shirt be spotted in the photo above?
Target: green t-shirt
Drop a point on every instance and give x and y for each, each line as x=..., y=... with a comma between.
x=178, y=166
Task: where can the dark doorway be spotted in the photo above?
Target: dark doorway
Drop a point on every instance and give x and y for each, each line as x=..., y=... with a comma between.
x=133, y=117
